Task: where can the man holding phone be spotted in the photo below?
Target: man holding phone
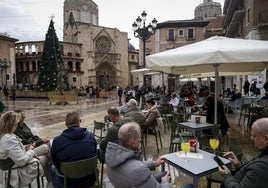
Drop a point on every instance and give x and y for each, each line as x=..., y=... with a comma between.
x=253, y=173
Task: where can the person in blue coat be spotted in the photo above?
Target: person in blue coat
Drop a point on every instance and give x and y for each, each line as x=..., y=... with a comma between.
x=75, y=143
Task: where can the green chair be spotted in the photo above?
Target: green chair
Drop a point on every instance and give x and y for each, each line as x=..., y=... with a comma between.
x=163, y=112
x=143, y=148
x=175, y=141
x=216, y=177
x=157, y=134
x=79, y=169
x=177, y=135
x=204, y=138
x=6, y=164
x=98, y=130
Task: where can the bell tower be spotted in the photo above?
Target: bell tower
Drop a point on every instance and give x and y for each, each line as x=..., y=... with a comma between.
x=208, y=10
x=76, y=13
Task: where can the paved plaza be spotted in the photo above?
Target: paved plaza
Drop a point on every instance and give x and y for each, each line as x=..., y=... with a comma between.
x=48, y=121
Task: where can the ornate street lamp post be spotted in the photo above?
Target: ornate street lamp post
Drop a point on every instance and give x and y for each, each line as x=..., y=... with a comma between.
x=144, y=32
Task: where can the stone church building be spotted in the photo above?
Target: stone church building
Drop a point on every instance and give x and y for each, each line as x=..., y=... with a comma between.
x=93, y=55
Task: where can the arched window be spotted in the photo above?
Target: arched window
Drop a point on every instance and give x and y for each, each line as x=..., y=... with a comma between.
x=33, y=48
x=77, y=66
x=34, y=66
x=21, y=67
x=26, y=49
x=70, y=66
x=38, y=64
x=27, y=66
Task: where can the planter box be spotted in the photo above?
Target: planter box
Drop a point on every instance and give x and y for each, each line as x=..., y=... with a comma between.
x=63, y=98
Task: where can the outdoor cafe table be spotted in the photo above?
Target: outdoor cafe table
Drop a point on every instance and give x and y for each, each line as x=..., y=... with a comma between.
x=197, y=164
x=196, y=126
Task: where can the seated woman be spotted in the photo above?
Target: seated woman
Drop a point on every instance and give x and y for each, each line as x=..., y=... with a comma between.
x=152, y=114
x=11, y=147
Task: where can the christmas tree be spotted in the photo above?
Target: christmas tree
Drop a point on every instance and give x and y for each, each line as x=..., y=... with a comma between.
x=52, y=73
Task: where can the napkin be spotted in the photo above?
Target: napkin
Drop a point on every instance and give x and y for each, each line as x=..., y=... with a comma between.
x=189, y=155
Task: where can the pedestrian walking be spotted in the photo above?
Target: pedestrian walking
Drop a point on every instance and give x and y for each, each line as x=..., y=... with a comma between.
x=120, y=93
x=246, y=87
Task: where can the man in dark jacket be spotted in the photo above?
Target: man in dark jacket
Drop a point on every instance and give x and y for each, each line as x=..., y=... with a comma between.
x=112, y=133
x=75, y=143
x=254, y=172
x=120, y=93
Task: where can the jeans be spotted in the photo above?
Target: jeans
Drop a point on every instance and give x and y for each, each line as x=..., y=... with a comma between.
x=159, y=176
x=57, y=181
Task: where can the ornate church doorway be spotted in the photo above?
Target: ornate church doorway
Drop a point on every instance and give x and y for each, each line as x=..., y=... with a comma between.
x=106, y=76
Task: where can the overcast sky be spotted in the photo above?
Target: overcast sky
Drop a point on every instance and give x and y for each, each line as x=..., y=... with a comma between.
x=28, y=20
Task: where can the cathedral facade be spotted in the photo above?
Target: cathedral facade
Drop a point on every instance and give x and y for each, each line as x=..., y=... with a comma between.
x=93, y=55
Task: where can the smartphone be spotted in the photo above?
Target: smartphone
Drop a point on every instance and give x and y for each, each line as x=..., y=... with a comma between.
x=218, y=161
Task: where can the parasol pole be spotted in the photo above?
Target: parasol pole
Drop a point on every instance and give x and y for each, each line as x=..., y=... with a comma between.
x=216, y=94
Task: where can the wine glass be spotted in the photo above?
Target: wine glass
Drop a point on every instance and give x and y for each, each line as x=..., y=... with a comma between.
x=214, y=143
x=185, y=146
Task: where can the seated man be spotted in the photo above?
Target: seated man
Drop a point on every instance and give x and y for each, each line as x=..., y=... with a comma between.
x=174, y=101
x=135, y=113
x=236, y=95
x=75, y=143
x=112, y=133
x=126, y=170
x=41, y=146
x=254, y=172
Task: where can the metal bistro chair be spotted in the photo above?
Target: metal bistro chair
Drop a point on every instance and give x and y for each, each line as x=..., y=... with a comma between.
x=174, y=137
x=263, y=102
x=246, y=103
x=6, y=165
x=156, y=127
x=177, y=136
x=254, y=113
x=98, y=130
x=235, y=105
x=79, y=169
x=166, y=115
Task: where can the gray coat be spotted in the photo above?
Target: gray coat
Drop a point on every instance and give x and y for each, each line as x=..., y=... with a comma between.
x=126, y=171
x=137, y=116
x=252, y=174
x=11, y=146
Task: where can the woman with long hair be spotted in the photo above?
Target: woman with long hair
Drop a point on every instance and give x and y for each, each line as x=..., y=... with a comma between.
x=11, y=147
